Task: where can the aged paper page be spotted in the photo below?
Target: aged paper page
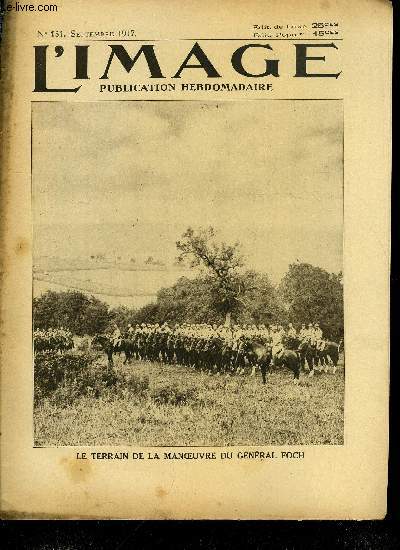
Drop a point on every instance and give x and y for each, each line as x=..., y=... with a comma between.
x=195, y=254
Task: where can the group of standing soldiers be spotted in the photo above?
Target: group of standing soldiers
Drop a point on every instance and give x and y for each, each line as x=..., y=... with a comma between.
x=207, y=346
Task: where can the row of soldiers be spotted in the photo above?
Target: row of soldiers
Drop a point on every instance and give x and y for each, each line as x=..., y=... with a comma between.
x=207, y=346
x=54, y=339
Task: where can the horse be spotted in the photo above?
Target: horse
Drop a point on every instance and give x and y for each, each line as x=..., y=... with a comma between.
x=308, y=352
x=106, y=344
x=329, y=353
x=128, y=347
x=257, y=354
x=290, y=359
x=262, y=355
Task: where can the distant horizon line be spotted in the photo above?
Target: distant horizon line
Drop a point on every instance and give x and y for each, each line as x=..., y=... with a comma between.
x=126, y=265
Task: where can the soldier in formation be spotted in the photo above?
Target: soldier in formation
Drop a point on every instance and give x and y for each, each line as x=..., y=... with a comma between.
x=209, y=346
x=53, y=339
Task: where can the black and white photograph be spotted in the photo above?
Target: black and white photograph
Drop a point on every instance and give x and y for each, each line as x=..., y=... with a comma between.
x=188, y=273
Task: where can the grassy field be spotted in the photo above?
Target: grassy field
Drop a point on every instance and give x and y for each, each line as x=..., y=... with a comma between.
x=174, y=406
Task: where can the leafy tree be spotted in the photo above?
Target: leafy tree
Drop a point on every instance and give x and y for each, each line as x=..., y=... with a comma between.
x=221, y=262
x=73, y=310
x=261, y=301
x=148, y=314
x=193, y=301
x=311, y=294
x=95, y=317
x=123, y=315
x=190, y=301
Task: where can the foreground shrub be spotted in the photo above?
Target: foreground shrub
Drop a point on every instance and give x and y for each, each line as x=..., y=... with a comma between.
x=64, y=378
x=169, y=395
x=82, y=343
x=134, y=383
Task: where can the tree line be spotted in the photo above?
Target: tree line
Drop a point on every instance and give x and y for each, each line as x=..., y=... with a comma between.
x=222, y=291
x=305, y=294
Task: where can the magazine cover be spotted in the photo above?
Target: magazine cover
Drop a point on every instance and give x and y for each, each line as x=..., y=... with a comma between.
x=195, y=259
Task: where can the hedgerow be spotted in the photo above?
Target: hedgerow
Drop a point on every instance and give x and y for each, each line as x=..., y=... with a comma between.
x=63, y=378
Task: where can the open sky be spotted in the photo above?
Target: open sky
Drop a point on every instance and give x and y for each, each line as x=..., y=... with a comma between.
x=130, y=177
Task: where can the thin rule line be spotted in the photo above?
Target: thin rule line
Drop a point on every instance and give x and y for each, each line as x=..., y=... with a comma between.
x=204, y=100
x=202, y=39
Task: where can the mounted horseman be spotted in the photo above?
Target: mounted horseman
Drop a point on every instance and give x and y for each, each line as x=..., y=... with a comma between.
x=329, y=353
x=112, y=342
x=103, y=342
x=291, y=340
x=264, y=355
x=307, y=348
x=122, y=343
x=318, y=337
x=276, y=340
x=257, y=354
